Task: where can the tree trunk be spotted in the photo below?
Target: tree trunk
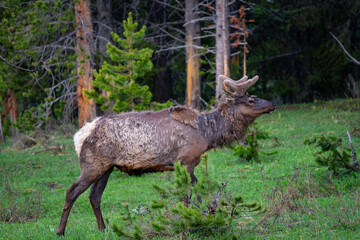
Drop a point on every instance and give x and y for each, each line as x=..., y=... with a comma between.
x=10, y=110
x=222, y=46
x=192, y=54
x=84, y=45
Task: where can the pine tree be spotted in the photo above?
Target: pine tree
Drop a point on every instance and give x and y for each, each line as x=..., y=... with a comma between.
x=118, y=80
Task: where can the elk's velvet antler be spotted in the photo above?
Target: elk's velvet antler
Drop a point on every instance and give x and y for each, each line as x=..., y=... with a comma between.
x=240, y=86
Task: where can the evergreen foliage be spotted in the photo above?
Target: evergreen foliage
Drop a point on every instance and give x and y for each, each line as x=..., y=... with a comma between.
x=203, y=209
x=37, y=36
x=332, y=154
x=118, y=79
x=251, y=148
x=28, y=120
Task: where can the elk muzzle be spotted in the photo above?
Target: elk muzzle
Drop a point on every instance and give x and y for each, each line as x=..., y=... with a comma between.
x=264, y=106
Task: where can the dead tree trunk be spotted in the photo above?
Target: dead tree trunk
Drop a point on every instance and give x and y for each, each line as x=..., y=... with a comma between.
x=192, y=28
x=84, y=45
x=222, y=46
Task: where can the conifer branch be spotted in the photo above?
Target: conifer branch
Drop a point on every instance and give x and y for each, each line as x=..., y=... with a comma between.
x=16, y=67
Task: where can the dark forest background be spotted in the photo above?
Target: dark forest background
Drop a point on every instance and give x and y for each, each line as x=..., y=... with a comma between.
x=291, y=45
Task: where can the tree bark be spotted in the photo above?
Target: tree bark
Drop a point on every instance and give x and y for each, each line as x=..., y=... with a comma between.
x=222, y=46
x=10, y=104
x=192, y=54
x=84, y=45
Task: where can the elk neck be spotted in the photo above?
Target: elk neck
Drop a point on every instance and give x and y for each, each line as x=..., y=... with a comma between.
x=223, y=125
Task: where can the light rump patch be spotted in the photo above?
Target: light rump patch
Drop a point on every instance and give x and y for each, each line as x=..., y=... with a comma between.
x=83, y=133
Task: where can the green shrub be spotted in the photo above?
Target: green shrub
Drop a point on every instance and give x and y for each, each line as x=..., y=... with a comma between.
x=183, y=208
x=332, y=154
x=251, y=149
x=30, y=118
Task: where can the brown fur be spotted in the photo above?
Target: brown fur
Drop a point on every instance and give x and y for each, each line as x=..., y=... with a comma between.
x=185, y=115
x=139, y=142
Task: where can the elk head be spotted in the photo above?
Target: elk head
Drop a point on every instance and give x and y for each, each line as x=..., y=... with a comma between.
x=245, y=103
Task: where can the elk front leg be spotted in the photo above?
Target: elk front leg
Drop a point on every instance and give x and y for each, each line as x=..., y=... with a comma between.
x=190, y=170
x=190, y=167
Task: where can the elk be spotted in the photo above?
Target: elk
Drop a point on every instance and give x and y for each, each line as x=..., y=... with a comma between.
x=140, y=142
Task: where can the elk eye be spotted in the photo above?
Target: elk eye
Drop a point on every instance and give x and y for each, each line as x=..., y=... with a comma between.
x=251, y=100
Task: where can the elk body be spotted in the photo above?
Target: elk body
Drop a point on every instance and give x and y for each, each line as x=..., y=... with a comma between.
x=140, y=142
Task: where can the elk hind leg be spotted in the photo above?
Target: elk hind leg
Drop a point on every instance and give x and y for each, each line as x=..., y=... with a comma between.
x=74, y=191
x=96, y=192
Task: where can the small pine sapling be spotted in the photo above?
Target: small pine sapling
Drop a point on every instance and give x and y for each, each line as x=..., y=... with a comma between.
x=178, y=211
x=118, y=80
x=128, y=217
x=332, y=154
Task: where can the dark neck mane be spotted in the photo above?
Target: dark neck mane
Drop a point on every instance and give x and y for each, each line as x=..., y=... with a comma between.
x=223, y=125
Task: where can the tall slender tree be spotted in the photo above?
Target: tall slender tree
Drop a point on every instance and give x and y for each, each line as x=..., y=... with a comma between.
x=84, y=46
x=222, y=46
x=192, y=28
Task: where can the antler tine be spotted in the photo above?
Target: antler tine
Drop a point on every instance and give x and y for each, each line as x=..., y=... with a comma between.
x=249, y=83
x=224, y=78
x=242, y=85
x=241, y=80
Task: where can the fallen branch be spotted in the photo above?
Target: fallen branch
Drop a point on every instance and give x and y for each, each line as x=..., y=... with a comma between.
x=52, y=148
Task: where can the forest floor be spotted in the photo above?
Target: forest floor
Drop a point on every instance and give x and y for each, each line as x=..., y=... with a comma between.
x=304, y=200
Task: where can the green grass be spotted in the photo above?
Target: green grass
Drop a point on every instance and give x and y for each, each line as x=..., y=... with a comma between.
x=33, y=186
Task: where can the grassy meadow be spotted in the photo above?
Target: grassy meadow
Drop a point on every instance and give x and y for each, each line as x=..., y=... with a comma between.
x=304, y=201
